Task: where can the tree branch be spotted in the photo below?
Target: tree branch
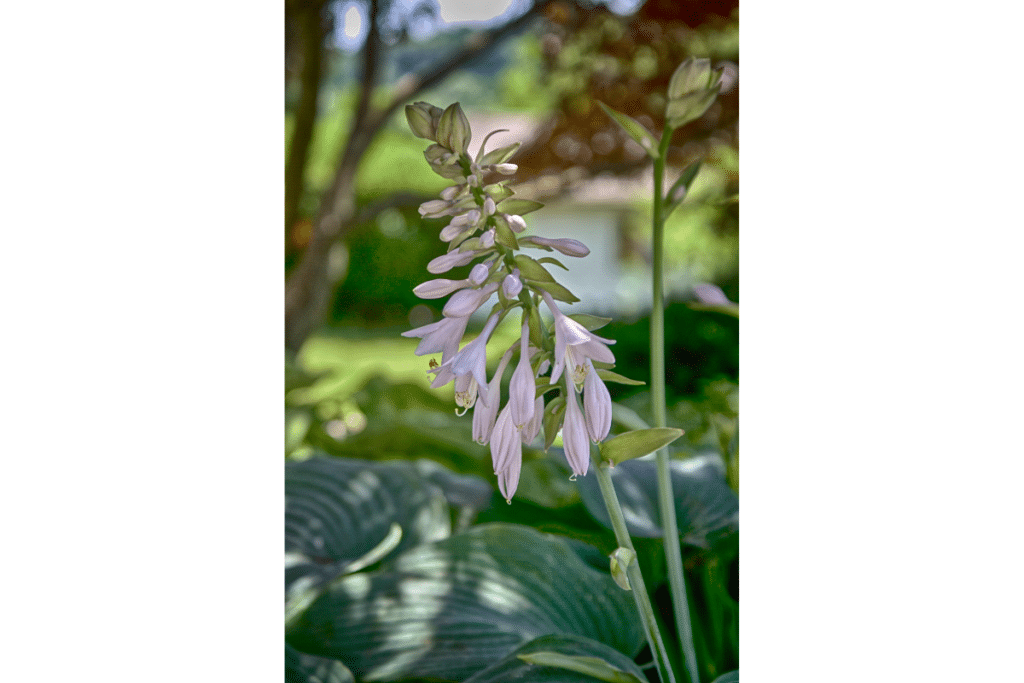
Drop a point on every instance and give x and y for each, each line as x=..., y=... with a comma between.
x=308, y=290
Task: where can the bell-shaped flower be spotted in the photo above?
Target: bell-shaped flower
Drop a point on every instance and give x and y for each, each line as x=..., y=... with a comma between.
x=466, y=301
x=443, y=336
x=465, y=393
x=512, y=285
x=597, y=405
x=565, y=245
x=484, y=415
x=531, y=429
x=574, y=344
x=508, y=478
x=574, y=435
x=472, y=359
x=505, y=444
x=453, y=259
x=523, y=387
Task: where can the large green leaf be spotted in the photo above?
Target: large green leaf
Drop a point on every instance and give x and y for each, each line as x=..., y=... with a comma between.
x=706, y=508
x=731, y=677
x=448, y=609
x=512, y=668
x=302, y=668
x=338, y=510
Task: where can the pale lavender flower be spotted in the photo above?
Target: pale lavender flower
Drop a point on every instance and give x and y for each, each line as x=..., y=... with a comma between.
x=487, y=239
x=451, y=231
x=443, y=336
x=512, y=285
x=531, y=429
x=466, y=301
x=453, y=259
x=597, y=405
x=489, y=206
x=505, y=169
x=574, y=436
x=450, y=193
x=505, y=444
x=523, y=387
x=484, y=415
x=465, y=393
x=472, y=359
x=574, y=344
x=508, y=478
x=565, y=245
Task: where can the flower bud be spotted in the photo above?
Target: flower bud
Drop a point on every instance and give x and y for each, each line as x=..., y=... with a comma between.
x=505, y=169
x=597, y=405
x=453, y=129
x=471, y=217
x=488, y=207
x=479, y=273
x=450, y=193
x=515, y=223
x=487, y=239
x=692, y=75
x=574, y=436
x=512, y=285
x=531, y=429
x=421, y=121
x=453, y=259
x=567, y=246
x=466, y=301
x=523, y=386
x=435, y=208
x=435, y=289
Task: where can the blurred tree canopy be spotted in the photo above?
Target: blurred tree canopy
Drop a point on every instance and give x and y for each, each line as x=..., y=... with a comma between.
x=582, y=52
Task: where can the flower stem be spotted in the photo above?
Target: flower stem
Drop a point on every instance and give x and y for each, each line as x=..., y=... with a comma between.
x=636, y=579
x=666, y=499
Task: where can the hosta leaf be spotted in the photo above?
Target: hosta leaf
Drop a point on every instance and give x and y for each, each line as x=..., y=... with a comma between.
x=337, y=510
x=706, y=508
x=302, y=668
x=614, y=665
x=448, y=609
x=730, y=677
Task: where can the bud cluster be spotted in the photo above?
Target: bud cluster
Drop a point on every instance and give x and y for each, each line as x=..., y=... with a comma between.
x=485, y=227
x=692, y=89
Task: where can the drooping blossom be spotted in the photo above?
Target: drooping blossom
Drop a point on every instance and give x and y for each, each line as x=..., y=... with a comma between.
x=574, y=436
x=574, y=344
x=472, y=359
x=597, y=405
x=523, y=387
x=484, y=415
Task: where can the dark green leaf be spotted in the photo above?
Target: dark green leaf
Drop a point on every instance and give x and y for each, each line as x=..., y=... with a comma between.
x=513, y=668
x=338, y=510
x=706, y=508
x=730, y=677
x=302, y=668
x=448, y=609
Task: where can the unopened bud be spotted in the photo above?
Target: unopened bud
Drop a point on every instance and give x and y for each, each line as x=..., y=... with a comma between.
x=487, y=239
x=506, y=169
x=512, y=285
x=515, y=222
x=691, y=76
x=420, y=121
x=479, y=273
x=488, y=207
